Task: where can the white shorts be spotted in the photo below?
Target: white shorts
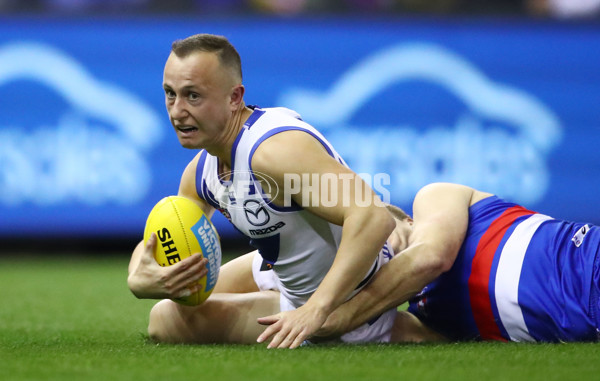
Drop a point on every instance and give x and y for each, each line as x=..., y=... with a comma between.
x=378, y=330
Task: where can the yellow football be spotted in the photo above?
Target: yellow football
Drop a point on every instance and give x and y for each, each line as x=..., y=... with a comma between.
x=183, y=229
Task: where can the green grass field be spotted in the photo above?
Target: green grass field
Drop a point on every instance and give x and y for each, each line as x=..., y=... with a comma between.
x=73, y=318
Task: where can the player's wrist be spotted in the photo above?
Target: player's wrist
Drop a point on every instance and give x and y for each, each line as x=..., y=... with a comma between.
x=141, y=287
x=334, y=327
x=135, y=287
x=317, y=307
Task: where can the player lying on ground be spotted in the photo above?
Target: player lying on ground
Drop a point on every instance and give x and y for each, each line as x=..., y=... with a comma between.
x=463, y=243
x=319, y=255
x=483, y=268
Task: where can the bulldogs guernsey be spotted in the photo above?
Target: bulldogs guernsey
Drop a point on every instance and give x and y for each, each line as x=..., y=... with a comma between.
x=299, y=246
x=519, y=276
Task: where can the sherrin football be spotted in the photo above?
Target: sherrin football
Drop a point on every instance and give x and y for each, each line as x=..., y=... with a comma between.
x=183, y=229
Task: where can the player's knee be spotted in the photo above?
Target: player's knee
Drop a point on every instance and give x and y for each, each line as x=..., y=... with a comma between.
x=161, y=327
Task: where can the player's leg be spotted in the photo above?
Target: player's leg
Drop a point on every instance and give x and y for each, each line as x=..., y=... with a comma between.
x=236, y=275
x=222, y=318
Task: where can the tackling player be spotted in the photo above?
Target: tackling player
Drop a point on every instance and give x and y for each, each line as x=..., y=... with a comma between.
x=483, y=268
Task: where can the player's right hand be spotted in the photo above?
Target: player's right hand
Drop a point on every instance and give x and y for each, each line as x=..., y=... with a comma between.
x=149, y=280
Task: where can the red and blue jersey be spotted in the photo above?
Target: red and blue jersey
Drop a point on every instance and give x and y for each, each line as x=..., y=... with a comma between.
x=519, y=276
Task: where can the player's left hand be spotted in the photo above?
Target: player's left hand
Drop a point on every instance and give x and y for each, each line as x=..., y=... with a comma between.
x=289, y=329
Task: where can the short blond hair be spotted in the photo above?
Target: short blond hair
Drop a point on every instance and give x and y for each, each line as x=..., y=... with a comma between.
x=210, y=43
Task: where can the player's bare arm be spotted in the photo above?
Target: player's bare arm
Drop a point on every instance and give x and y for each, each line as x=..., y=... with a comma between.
x=409, y=329
x=147, y=279
x=365, y=230
x=439, y=227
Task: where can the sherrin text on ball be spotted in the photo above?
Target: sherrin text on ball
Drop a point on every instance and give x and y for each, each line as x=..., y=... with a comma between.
x=183, y=229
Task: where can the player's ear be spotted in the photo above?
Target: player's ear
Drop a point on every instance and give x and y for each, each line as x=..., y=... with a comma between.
x=237, y=96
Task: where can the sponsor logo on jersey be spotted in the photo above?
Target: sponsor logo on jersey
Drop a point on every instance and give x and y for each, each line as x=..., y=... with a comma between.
x=256, y=213
x=580, y=235
x=267, y=230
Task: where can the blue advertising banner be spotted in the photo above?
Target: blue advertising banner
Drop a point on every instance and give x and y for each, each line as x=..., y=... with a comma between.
x=509, y=107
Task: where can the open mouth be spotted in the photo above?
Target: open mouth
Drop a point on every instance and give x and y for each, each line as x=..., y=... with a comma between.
x=186, y=128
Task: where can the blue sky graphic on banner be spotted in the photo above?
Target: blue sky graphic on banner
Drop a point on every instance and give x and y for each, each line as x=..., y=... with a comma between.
x=506, y=106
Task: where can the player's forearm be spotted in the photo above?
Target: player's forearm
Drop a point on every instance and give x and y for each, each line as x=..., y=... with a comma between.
x=399, y=280
x=363, y=236
x=135, y=257
x=134, y=280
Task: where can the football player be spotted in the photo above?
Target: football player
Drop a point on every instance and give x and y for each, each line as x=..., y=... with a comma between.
x=315, y=254
x=477, y=267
